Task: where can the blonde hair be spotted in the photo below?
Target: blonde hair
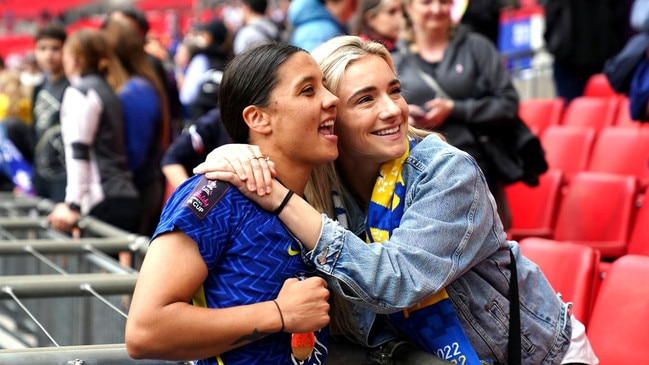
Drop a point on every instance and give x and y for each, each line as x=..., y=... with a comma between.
x=334, y=57
x=18, y=96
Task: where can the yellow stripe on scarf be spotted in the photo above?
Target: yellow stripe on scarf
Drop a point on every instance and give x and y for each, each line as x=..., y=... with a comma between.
x=384, y=196
x=439, y=296
x=383, y=193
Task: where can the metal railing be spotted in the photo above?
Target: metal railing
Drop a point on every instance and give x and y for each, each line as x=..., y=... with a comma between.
x=63, y=299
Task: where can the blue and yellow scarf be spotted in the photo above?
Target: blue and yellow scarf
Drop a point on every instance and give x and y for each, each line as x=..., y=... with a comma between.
x=432, y=323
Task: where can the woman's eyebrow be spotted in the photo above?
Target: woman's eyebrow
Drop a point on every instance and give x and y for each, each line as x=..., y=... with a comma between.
x=361, y=91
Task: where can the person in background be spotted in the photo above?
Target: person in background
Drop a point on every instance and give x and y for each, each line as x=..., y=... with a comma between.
x=278, y=14
x=184, y=53
x=138, y=20
x=49, y=153
x=146, y=119
x=314, y=21
x=419, y=218
x=16, y=172
x=484, y=17
x=468, y=68
x=99, y=182
x=16, y=156
x=239, y=264
x=192, y=146
x=214, y=42
x=15, y=97
x=582, y=35
x=639, y=15
x=30, y=73
x=155, y=45
x=379, y=20
x=257, y=27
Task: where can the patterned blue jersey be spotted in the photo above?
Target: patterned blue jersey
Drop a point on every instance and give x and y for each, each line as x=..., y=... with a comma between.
x=249, y=255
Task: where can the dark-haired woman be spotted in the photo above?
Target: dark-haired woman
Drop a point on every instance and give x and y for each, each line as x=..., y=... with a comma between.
x=235, y=261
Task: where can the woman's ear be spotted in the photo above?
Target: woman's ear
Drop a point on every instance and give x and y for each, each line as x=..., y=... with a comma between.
x=256, y=120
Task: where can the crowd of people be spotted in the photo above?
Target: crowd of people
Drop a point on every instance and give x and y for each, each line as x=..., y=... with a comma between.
x=349, y=194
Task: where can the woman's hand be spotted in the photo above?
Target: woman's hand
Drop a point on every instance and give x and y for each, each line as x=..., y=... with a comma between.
x=304, y=304
x=62, y=218
x=243, y=162
x=434, y=114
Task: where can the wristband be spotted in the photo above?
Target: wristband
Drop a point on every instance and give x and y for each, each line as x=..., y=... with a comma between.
x=284, y=202
x=281, y=316
x=74, y=207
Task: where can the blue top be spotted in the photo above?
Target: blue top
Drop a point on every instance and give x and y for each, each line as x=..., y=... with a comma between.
x=640, y=15
x=249, y=254
x=142, y=120
x=192, y=146
x=194, y=76
x=449, y=237
x=312, y=24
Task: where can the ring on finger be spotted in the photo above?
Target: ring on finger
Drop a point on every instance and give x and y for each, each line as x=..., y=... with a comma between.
x=262, y=157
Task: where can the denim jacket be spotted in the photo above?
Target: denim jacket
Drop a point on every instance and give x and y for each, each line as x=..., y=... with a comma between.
x=449, y=236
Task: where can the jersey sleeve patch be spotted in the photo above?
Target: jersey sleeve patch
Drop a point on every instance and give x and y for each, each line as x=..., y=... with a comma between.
x=205, y=195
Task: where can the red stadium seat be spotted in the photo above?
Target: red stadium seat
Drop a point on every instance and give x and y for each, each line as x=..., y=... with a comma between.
x=617, y=328
x=568, y=148
x=534, y=209
x=639, y=239
x=622, y=151
x=591, y=111
x=539, y=113
x=571, y=269
x=597, y=210
x=598, y=86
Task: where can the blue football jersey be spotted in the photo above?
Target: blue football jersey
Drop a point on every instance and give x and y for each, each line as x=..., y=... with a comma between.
x=249, y=255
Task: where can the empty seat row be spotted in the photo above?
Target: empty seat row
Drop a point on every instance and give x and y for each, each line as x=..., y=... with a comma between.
x=614, y=309
x=614, y=150
x=607, y=290
x=584, y=111
x=600, y=210
x=599, y=106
